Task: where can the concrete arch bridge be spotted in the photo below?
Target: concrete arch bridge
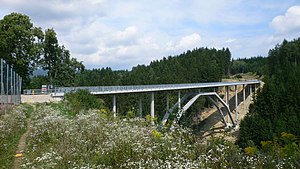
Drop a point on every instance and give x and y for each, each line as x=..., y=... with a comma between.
x=184, y=102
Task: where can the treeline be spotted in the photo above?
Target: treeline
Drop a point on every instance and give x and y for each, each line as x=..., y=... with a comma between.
x=26, y=48
x=198, y=65
x=277, y=107
x=254, y=64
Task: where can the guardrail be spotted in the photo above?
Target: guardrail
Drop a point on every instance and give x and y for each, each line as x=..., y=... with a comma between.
x=59, y=91
x=10, y=86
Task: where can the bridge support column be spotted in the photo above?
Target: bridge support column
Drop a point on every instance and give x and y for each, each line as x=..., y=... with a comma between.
x=244, y=98
x=152, y=108
x=236, y=105
x=168, y=102
x=250, y=91
x=227, y=101
x=114, y=106
x=140, y=107
x=254, y=91
x=179, y=101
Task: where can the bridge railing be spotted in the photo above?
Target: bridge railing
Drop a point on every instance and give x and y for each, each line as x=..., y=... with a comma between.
x=149, y=88
x=10, y=86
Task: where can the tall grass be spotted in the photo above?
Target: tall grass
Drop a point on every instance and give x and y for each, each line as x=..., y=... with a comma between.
x=92, y=140
x=12, y=126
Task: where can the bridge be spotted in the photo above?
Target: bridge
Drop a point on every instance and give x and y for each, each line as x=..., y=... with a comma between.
x=214, y=97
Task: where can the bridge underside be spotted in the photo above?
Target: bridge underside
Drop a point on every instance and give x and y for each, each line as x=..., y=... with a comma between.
x=195, y=96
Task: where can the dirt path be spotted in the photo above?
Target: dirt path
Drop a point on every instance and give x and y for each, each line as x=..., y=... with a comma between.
x=21, y=147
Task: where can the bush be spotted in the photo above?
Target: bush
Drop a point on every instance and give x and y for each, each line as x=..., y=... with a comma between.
x=82, y=100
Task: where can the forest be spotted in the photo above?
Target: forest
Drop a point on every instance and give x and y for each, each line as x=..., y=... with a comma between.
x=276, y=109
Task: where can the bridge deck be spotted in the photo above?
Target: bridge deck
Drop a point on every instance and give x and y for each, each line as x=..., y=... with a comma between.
x=101, y=90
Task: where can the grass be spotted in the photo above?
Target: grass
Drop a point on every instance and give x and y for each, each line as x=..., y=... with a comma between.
x=12, y=126
x=91, y=139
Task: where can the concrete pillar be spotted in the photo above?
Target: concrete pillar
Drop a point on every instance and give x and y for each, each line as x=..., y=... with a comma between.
x=179, y=100
x=152, y=108
x=236, y=104
x=168, y=103
x=254, y=91
x=217, y=93
x=114, y=106
x=244, y=98
x=227, y=101
x=140, y=107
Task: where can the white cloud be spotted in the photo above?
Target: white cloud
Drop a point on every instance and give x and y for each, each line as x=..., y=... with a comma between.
x=122, y=34
x=186, y=43
x=288, y=23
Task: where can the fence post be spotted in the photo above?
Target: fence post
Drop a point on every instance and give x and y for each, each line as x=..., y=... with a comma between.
x=7, y=81
x=20, y=84
x=11, y=85
x=2, y=86
x=14, y=87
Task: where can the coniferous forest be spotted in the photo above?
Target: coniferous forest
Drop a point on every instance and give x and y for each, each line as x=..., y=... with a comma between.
x=276, y=108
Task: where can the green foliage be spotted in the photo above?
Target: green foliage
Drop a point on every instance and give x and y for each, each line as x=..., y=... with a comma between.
x=82, y=100
x=12, y=125
x=19, y=44
x=287, y=146
x=37, y=82
x=277, y=107
x=57, y=61
x=253, y=64
x=26, y=48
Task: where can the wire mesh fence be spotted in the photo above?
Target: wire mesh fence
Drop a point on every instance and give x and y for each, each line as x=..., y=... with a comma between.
x=10, y=85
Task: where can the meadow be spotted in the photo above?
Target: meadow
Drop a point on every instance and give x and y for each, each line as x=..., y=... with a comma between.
x=93, y=139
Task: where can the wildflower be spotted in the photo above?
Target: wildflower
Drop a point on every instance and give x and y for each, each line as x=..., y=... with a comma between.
x=19, y=155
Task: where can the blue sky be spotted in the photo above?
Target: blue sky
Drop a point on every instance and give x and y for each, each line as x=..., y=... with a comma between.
x=123, y=33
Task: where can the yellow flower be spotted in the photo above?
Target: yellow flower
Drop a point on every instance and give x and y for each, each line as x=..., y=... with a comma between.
x=19, y=155
x=156, y=134
x=250, y=150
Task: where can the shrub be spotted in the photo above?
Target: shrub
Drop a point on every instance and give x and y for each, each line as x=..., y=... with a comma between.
x=82, y=100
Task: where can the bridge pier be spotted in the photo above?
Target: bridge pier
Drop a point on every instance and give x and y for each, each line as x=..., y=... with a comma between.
x=168, y=102
x=152, y=108
x=140, y=107
x=244, y=98
x=227, y=101
x=114, y=106
x=179, y=101
x=236, y=105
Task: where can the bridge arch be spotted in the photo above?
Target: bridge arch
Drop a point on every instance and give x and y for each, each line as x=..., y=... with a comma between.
x=209, y=96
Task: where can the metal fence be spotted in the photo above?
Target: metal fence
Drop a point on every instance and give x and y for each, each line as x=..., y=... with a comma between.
x=11, y=84
x=37, y=91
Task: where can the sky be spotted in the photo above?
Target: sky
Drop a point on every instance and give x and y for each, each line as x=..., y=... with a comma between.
x=124, y=33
